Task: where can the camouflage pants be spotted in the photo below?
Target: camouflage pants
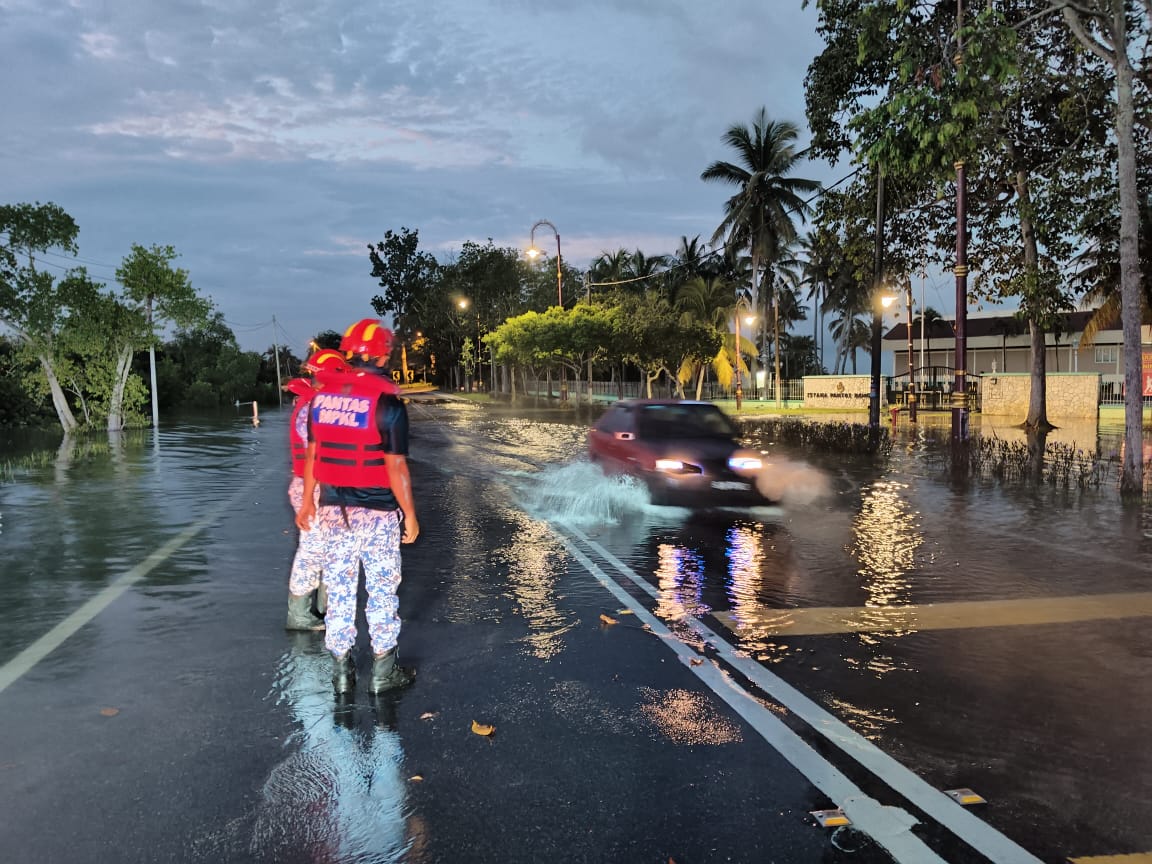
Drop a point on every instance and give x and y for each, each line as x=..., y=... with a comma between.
x=309, y=560
x=371, y=538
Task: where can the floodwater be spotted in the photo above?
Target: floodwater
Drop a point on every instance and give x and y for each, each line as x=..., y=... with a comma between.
x=986, y=634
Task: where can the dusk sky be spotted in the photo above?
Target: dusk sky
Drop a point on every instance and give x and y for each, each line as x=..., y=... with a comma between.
x=271, y=142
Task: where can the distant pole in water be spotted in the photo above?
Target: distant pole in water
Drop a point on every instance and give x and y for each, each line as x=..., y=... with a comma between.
x=276, y=358
x=255, y=413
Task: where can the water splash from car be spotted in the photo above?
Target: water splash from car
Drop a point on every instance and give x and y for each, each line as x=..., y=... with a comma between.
x=794, y=484
x=579, y=494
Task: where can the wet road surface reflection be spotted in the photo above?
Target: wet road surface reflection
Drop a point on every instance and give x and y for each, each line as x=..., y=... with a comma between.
x=978, y=634
x=340, y=793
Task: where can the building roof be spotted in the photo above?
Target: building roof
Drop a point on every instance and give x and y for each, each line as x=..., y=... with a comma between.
x=994, y=325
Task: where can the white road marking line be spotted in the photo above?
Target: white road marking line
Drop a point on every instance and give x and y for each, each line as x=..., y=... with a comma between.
x=890, y=827
x=23, y=662
x=942, y=809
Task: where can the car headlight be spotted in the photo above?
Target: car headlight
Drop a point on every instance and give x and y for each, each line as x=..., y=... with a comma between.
x=669, y=465
x=745, y=463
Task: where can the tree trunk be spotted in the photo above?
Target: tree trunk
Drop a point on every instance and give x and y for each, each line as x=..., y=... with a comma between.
x=757, y=287
x=776, y=341
x=119, y=383
x=1038, y=401
x=59, y=401
x=700, y=381
x=1131, y=305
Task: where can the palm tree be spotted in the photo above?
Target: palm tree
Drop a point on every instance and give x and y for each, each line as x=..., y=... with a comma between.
x=610, y=266
x=710, y=301
x=759, y=215
x=1010, y=326
x=923, y=324
x=1100, y=272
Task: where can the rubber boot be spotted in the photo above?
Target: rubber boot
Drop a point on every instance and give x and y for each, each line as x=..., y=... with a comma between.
x=343, y=673
x=300, y=615
x=387, y=674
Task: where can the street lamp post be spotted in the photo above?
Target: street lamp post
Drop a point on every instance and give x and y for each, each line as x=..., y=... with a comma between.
x=739, y=383
x=533, y=251
x=911, y=372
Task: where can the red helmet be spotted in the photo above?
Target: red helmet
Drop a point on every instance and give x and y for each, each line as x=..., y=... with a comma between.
x=326, y=359
x=368, y=338
x=301, y=387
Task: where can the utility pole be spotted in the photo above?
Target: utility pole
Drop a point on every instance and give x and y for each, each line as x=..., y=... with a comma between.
x=911, y=358
x=276, y=358
x=877, y=320
x=960, y=379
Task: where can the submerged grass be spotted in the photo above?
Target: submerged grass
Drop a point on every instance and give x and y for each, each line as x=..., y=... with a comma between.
x=1054, y=464
x=831, y=437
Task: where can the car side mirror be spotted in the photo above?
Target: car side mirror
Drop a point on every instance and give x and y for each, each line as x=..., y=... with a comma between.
x=623, y=436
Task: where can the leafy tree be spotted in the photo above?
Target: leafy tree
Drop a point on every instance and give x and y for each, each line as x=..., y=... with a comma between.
x=163, y=294
x=29, y=298
x=651, y=334
x=405, y=273
x=1108, y=30
x=328, y=339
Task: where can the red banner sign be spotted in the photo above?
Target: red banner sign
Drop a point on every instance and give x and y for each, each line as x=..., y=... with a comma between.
x=1147, y=373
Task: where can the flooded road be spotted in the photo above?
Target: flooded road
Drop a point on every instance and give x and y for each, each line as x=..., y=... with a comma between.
x=883, y=636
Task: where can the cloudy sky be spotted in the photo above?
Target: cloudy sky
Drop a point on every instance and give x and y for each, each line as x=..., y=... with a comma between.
x=270, y=141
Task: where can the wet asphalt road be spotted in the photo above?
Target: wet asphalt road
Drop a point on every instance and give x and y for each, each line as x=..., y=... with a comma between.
x=176, y=721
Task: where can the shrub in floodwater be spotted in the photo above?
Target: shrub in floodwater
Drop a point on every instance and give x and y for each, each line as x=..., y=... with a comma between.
x=837, y=437
x=1018, y=462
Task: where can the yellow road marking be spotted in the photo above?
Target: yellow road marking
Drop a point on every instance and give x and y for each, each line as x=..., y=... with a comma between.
x=939, y=616
x=1138, y=858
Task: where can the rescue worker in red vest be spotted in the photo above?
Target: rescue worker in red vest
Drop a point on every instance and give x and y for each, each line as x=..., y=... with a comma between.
x=304, y=582
x=357, y=449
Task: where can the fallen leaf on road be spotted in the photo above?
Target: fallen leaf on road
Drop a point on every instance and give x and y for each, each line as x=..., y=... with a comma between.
x=482, y=729
x=625, y=612
x=109, y=712
x=695, y=661
x=427, y=715
x=416, y=778
x=608, y=619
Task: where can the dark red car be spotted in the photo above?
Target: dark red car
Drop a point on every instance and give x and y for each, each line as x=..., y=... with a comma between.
x=687, y=453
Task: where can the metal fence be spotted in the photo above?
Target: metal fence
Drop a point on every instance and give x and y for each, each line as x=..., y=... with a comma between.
x=790, y=391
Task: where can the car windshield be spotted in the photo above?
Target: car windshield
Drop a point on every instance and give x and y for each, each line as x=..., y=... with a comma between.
x=683, y=421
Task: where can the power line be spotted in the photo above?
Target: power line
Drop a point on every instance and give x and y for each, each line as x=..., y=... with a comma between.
x=721, y=249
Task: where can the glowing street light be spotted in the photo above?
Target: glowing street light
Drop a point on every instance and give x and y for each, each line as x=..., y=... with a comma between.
x=749, y=320
x=534, y=253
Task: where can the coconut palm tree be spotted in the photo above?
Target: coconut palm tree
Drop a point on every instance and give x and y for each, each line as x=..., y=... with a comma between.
x=711, y=301
x=760, y=214
x=1100, y=272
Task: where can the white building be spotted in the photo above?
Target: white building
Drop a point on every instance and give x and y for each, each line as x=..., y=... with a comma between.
x=999, y=342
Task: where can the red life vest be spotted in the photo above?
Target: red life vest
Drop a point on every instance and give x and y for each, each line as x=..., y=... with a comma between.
x=298, y=446
x=349, y=449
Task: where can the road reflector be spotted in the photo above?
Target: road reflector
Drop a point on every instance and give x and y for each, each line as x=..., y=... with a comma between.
x=964, y=796
x=831, y=818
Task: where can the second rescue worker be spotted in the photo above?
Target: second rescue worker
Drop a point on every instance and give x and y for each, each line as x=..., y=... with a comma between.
x=357, y=449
